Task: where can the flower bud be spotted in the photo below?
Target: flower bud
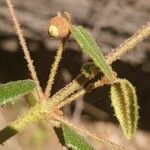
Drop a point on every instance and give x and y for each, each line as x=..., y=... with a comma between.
x=59, y=27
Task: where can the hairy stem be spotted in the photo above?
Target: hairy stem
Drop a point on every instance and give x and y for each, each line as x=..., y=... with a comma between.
x=40, y=111
x=73, y=97
x=129, y=44
x=84, y=132
x=54, y=68
x=24, y=48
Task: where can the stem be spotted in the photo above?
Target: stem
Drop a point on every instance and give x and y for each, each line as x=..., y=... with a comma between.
x=40, y=111
x=32, y=116
x=84, y=132
x=129, y=44
x=24, y=48
x=54, y=68
x=73, y=97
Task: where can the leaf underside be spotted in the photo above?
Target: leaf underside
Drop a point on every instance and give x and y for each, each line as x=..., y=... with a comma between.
x=11, y=91
x=89, y=46
x=74, y=141
x=124, y=101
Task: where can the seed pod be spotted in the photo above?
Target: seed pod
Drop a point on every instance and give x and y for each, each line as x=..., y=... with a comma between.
x=59, y=27
x=124, y=101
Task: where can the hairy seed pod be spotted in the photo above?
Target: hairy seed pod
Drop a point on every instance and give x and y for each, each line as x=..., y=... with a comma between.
x=124, y=101
x=59, y=27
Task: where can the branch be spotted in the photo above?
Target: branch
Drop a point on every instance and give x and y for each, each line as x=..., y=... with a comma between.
x=54, y=68
x=73, y=97
x=24, y=48
x=129, y=44
x=40, y=111
x=84, y=132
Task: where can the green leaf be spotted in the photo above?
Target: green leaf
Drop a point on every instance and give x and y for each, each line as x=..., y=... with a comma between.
x=124, y=101
x=74, y=140
x=89, y=46
x=10, y=91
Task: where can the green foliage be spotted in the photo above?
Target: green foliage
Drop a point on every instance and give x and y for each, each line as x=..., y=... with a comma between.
x=124, y=101
x=74, y=140
x=89, y=46
x=10, y=91
x=123, y=95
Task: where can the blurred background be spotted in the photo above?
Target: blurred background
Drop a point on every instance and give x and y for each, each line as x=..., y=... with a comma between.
x=110, y=22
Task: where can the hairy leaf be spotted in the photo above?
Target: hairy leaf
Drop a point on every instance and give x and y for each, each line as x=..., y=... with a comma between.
x=10, y=91
x=124, y=101
x=89, y=46
x=74, y=140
